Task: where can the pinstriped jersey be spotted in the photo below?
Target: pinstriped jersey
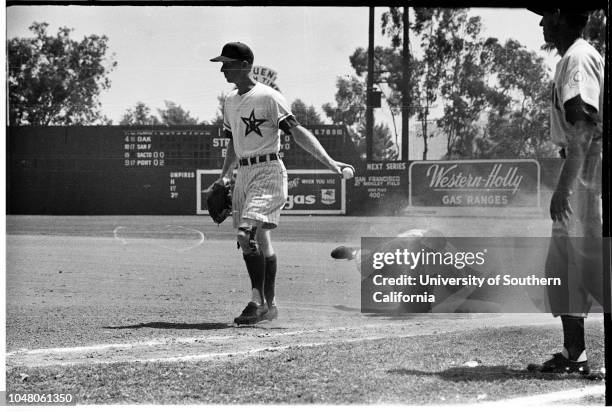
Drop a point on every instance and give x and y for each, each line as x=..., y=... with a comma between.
x=254, y=118
x=580, y=72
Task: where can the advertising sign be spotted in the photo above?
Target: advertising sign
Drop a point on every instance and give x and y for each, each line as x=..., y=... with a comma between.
x=319, y=192
x=316, y=192
x=379, y=188
x=475, y=183
x=266, y=76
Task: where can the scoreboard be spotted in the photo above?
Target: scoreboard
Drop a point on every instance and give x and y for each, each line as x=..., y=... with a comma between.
x=133, y=170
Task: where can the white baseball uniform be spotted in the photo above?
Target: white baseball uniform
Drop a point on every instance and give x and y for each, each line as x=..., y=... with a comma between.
x=575, y=250
x=580, y=72
x=254, y=120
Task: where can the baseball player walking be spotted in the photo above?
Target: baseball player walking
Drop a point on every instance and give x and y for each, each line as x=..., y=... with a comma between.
x=253, y=116
x=575, y=252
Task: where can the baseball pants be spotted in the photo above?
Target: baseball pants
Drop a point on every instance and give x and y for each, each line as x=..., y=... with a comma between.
x=260, y=192
x=575, y=253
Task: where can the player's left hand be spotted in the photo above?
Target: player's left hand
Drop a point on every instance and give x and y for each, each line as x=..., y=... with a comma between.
x=219, y=202
x=560, y=207
x=221, y=181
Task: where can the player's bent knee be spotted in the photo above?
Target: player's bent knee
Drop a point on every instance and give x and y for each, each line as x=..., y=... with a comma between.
x=243, y=236
x=264, y=242
x=262, y=236
x=246, y=238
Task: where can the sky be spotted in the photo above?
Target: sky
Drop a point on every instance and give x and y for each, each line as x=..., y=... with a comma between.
x=163, y=52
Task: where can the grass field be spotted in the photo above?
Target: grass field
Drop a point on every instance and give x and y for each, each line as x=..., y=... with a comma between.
x=138, y=309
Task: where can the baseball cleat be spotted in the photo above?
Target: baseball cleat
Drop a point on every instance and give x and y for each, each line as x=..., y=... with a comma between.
x=272, y=313
x=344, y=252
x=253, y=313
x=560, y=364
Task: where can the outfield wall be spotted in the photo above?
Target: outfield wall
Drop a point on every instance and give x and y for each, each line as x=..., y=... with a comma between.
x=162, y=170
x=130, y=170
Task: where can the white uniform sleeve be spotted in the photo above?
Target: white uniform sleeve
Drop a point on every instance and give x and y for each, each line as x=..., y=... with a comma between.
x=279, y=109
x=582, y=77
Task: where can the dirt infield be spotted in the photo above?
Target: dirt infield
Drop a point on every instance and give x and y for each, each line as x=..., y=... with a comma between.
x=112, y=294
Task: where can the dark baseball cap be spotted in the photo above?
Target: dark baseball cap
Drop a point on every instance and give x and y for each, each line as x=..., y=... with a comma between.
x=577, y=11
x=235, y=51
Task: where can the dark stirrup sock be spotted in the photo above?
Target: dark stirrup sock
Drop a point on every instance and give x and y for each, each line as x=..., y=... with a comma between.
x=573, y=336
x=270, y=279
x=256, y=266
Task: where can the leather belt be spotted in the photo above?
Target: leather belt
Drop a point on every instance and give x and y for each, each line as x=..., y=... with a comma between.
x=247, y=161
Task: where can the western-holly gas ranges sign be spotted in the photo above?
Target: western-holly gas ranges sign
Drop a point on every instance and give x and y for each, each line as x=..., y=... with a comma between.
x=475, y=183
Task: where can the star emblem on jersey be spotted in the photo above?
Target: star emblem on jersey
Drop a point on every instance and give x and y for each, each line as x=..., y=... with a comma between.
x=252, y=123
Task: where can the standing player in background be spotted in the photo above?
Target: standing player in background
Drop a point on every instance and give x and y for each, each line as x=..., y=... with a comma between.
x=253, y=117
x=575, y=252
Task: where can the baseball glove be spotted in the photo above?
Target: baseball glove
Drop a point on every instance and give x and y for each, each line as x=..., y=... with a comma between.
x=219, y=202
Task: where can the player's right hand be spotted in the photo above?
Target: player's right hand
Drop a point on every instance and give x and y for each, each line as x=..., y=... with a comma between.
x=560, y=207
x=340, y=166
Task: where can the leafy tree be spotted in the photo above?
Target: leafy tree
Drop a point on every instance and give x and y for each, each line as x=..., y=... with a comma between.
x=350, y=111
x=595, y=31
x=305, y=114
x=461, y=72
x=140, y=114
x=425, y=76
x=55, y=80
x=350, y=102
x=384, y=146
x=218, y=119
x=174, y=114
x=104, y=121
x=388, y=76
x=441, y=35
x=471, y=76
x=518, y=120
x=387, y=71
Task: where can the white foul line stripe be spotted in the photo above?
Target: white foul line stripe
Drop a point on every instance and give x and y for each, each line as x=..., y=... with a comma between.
x=552, y=397
x=204, y=356
x=186, y=358
x=170, y=341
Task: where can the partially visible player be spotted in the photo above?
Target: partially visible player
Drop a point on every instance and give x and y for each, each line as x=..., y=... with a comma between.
x=575, y=252
x=449, y=299
x=253, y=117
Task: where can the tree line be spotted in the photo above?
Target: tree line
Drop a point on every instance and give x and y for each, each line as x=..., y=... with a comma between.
x=56, y=80
x=491, y=99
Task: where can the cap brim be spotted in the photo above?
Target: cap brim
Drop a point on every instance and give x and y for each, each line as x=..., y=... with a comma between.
x=223, y=59
x=539, y=12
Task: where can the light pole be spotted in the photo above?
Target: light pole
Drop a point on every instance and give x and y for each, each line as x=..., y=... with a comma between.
x=369, y=88
x=405, y=85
